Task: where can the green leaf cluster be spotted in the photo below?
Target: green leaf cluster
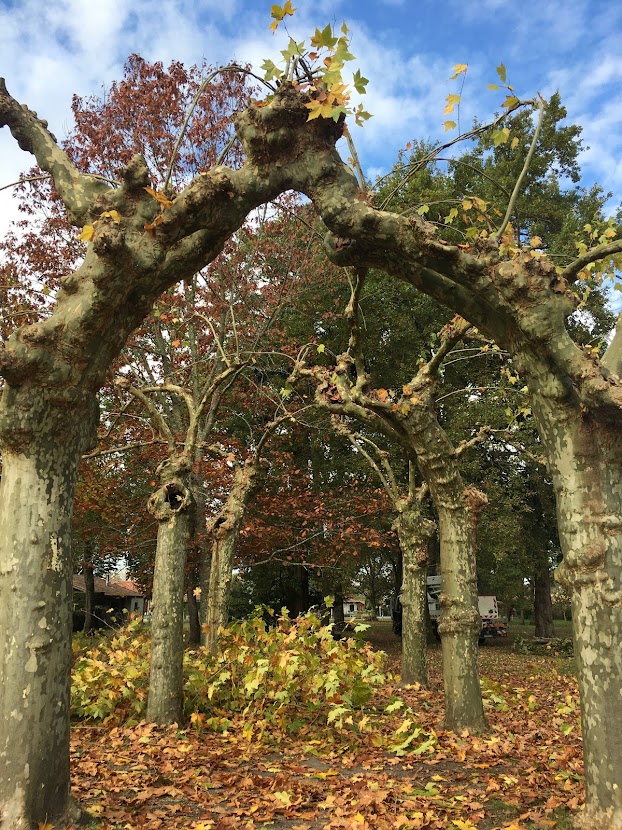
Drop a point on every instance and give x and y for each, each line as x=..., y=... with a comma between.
x=318, y=70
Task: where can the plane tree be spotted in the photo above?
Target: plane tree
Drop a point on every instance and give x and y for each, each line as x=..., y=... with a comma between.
x=53, y=368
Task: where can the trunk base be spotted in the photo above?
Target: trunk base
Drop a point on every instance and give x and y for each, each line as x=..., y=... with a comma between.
x=598, y=820
x=15, y=817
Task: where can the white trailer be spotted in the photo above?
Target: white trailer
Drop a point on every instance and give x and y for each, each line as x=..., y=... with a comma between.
x=492, y=626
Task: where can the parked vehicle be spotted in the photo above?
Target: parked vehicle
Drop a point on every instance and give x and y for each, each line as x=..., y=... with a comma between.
x=492, y=625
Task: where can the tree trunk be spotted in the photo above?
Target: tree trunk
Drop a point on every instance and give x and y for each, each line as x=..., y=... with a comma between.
x=458, y=509
x=339, y=620
x=460, y=622
x=413, y=532
x=584, y=459
x=194, y=624
x=172, y=505
x=372, y=595
x=224, y=531
x=205, y=572
x=542, y=603
x=89, y=590
x=36, y=493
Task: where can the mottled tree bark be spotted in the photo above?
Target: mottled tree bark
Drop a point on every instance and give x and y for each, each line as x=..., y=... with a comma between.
x=592, y=571
x=205, y=570
x=38, y=477
x=542, y=602
x=414, y=531
x=172, y=506
x=224, y=531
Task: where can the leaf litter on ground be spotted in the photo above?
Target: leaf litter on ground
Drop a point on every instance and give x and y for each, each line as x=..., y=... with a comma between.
x=251, y=761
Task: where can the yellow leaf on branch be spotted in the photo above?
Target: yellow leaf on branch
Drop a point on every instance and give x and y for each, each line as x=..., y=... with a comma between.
x=160, y=198
x=88, y=232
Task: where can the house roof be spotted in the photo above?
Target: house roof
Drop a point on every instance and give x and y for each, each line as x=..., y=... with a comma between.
x=109, y=589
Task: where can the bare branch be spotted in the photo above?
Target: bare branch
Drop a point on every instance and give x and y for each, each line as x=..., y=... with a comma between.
x=523, y=172
x=480, y=436
x=352, y=315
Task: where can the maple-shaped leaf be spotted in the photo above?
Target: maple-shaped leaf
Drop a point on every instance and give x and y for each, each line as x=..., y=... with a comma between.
x=459, y=69
x=279, y=12
x=319, y=108
x=271, y=71
x=160, y=198
x=324, y=38
x=284, y=797
x=88, y=232
x=452, y=100
x=293, y=49
x=361, y=115
x=359, y=82
x=500, y=136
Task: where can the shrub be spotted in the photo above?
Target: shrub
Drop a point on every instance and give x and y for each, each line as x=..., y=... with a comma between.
x=267, y=681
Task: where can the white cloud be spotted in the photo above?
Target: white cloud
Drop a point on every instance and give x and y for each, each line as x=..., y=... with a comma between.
x=52, y=50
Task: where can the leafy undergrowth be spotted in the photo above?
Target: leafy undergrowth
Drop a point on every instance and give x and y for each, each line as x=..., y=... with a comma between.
x=363, y=768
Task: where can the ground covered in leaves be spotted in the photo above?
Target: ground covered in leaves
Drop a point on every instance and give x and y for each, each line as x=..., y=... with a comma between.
x=397, y=769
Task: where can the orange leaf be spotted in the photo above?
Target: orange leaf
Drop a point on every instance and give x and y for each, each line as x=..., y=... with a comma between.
x=160, y=198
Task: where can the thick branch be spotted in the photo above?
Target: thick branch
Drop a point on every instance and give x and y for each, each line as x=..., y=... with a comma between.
x=571, y=271
x=31, y=133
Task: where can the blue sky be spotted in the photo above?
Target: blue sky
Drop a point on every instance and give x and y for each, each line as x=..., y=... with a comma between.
x=50, y=50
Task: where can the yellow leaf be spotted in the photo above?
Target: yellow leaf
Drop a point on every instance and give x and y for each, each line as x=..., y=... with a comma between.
x=459, y=69
x=44, y=825
x=88, y=232
x=197, y=592
x=403, y=727
x=449, y=125
x=452, y=100
x=284, y=797
x=382, y=395
x=535, y=242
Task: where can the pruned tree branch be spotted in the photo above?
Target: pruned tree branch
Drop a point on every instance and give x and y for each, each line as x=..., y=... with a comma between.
x=77, y=190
